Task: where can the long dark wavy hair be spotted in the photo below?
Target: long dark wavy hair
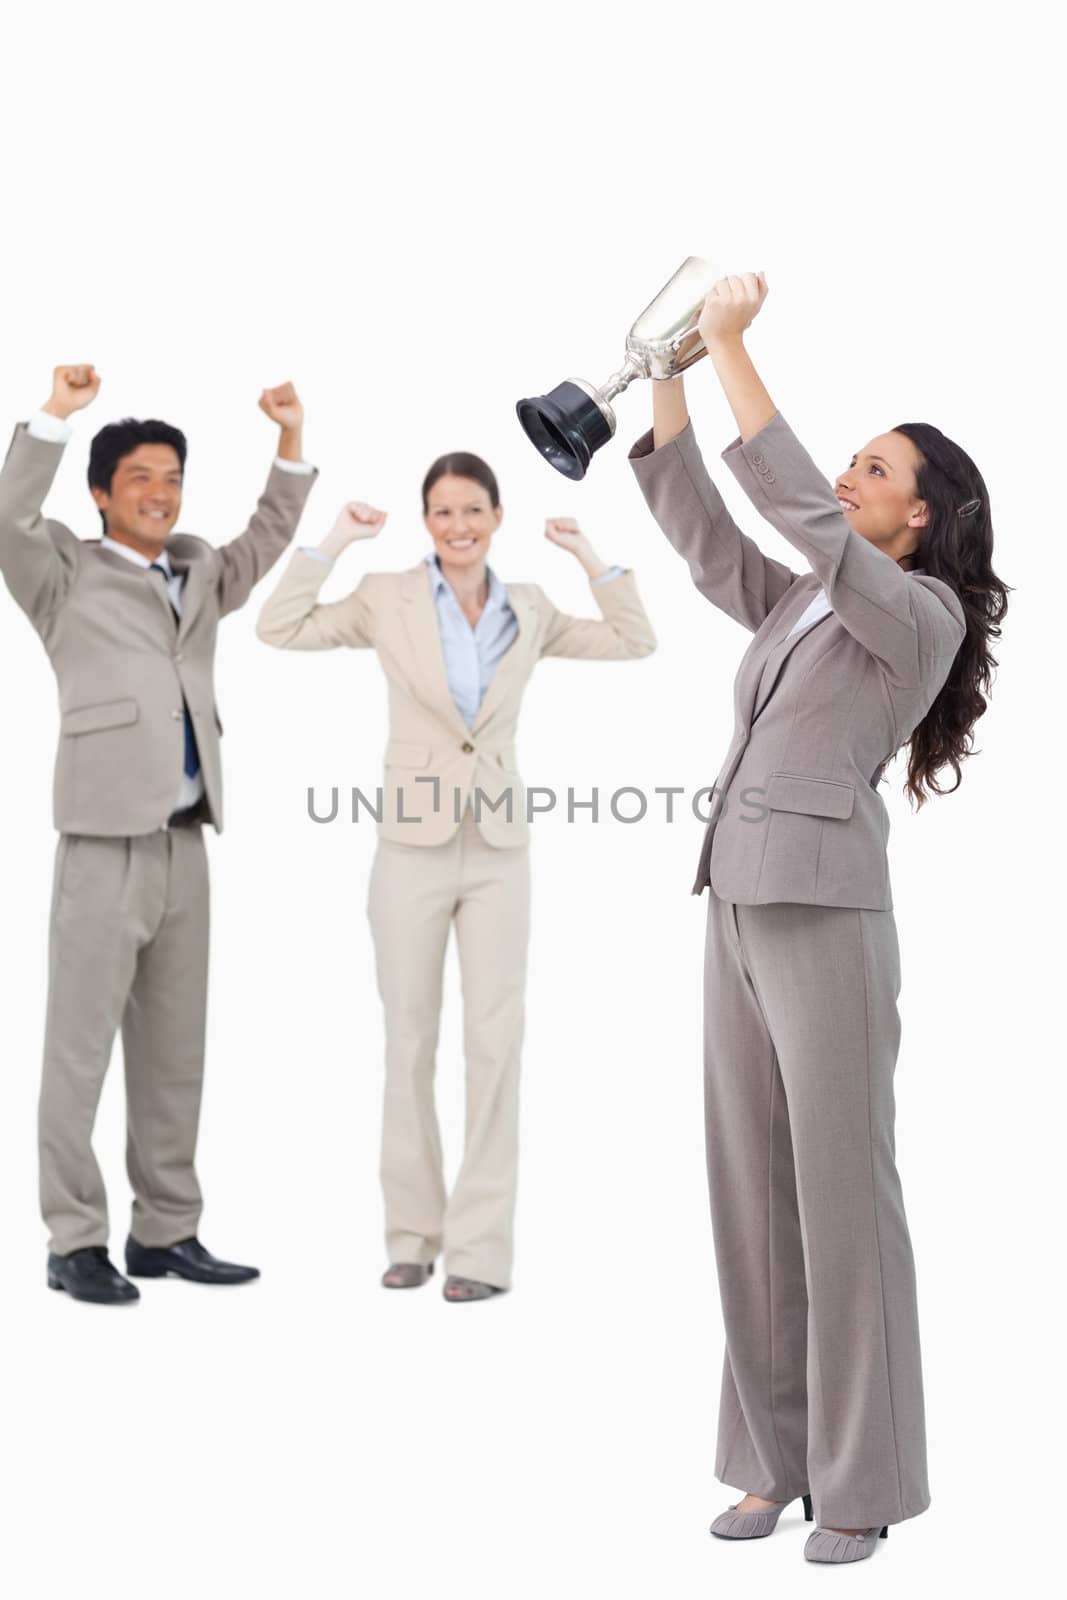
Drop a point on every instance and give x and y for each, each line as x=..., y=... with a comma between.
x=957, y=546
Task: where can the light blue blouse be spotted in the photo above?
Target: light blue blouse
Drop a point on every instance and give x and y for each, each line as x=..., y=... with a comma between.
x=472, y=654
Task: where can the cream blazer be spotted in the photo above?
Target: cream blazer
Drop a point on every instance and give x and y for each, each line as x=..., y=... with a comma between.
x=433, y=761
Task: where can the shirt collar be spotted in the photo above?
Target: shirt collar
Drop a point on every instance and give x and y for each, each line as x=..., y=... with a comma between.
x=498, y=595
x=162, y=560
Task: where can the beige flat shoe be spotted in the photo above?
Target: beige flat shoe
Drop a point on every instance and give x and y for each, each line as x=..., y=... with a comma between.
x=406, y=1275
x=734, y=1524
x=826, y=1545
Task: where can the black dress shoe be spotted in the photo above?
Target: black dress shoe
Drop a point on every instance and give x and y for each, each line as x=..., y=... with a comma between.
x=89, y=1275
x=186, y=1259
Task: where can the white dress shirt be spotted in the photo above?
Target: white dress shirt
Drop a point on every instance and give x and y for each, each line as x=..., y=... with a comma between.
x=43, y=425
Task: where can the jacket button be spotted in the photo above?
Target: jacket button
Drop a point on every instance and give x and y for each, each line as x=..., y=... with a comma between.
x=467, y=748
x=178, y=656
x=176, y=715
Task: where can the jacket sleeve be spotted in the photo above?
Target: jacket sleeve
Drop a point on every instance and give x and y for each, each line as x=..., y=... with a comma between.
x=294, y=619
x=622, y=633
x=38, y=558
x=249, y=557
x=903, y=621
x=726, y=565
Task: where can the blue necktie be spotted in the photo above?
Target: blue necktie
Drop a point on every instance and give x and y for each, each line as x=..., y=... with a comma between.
x=192, y=758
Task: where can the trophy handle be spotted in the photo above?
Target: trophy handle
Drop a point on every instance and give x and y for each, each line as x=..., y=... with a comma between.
x=680, y=338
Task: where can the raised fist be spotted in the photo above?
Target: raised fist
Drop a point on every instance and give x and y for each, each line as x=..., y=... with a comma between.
x=732, y=305
x=282, y=405
x=357, y=520
x=72, y=389
x=565, y=532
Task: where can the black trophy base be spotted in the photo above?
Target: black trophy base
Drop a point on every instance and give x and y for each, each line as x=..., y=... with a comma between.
x=566, y=426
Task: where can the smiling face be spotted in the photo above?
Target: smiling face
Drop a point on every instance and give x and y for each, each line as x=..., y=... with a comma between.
x=461, y=520
x=145, y=497
x=877, y=495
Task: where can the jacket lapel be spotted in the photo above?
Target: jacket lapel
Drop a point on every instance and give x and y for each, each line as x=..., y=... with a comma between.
x=509, y=674
x=194, y=575
x=134, y=573
x=770, y=650
x=420, y=620
x=774, y=664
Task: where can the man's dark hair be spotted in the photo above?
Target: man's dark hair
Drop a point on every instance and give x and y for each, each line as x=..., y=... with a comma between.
x=120, y=439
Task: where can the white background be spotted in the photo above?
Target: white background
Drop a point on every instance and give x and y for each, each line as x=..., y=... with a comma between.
x=420, y=214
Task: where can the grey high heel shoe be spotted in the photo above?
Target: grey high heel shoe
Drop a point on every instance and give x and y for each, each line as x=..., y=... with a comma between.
x=406, y=1275
x=457, y=1289
x=826, y=1545
x=734, y=1524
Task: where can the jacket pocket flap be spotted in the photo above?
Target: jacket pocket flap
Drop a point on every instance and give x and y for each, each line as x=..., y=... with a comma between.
x=816, y=797
x=91, y=719
x=398, y=753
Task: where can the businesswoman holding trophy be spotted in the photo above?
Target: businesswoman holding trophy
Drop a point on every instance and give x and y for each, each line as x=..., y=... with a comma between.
x=880, y=642
x=457, y=647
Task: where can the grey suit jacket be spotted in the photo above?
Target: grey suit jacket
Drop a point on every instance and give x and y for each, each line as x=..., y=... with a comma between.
x=796, y=815
x=122, y=660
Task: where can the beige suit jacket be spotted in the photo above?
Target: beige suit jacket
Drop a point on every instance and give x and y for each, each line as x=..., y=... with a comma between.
x=433, y=761
x=796, y=814
x=122, y=661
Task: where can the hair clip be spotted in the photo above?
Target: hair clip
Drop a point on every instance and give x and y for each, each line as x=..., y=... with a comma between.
x=969, y=508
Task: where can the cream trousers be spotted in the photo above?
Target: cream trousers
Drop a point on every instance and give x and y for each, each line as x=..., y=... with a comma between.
x=416, y=893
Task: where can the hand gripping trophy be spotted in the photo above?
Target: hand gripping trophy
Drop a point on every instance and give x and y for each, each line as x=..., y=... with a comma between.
x=576, y=418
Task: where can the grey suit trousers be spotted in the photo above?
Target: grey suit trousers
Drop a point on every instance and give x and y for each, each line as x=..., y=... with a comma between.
x=128, y=948
x=822, y=1379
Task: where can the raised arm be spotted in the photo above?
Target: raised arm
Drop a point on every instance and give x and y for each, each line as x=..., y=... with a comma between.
x=623, y=632
x=902, y=620
x=294, y=619
x=249, y=557
x=726, y=565
x=38, y=557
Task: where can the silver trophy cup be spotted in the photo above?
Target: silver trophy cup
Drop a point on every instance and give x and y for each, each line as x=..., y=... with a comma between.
x=575, y=418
